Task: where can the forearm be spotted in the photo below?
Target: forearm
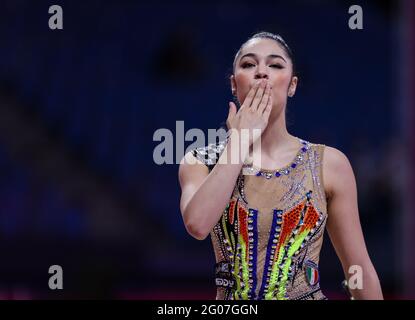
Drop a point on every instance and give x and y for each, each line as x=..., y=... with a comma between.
x=206, y=206
x=368, y=288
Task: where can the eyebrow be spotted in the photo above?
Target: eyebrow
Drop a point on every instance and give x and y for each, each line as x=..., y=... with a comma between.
x=269, y=56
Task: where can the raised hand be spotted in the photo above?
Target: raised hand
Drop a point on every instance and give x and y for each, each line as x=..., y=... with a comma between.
x=254, y=112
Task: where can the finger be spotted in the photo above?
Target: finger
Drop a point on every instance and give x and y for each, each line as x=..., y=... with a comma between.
x=268, y=108
x=264, y=100
x=232, y=110
x=258, y=96
x=250, y=96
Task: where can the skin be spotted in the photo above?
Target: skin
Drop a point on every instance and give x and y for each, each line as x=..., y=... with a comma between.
x=264, y=83
x=277, y=146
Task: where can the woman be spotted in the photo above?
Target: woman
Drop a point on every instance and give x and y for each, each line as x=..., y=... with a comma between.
x=266, y=219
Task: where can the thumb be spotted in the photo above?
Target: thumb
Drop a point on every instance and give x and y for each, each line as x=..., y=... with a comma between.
x=232, y=110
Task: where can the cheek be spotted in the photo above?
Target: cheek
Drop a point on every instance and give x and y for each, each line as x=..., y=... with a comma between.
x=281, y=82
x=243, y=84
x=243, y=80
x=280, y=87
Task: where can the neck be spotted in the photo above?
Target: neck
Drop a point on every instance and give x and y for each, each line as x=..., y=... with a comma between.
x=275, y=136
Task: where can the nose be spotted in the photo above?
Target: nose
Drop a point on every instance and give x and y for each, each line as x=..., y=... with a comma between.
x=261, y=73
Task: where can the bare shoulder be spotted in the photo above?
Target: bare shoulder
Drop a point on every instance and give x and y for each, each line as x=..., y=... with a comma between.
x=335, y=158
x=337, y=170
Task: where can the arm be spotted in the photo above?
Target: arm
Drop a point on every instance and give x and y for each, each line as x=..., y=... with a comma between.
x=343, y=224
x=204, y=195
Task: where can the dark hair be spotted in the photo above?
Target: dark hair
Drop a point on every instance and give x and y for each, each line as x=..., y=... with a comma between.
x=272, y=36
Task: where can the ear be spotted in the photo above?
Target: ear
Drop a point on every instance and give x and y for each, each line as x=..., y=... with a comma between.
x=293, y=86
x=233, y=84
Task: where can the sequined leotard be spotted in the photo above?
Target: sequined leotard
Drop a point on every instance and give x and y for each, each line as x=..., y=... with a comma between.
x=267, y=242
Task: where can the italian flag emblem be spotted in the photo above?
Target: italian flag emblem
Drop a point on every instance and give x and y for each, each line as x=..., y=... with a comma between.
x=311, y=271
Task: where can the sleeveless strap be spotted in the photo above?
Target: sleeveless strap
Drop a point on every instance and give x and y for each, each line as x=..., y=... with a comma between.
x=210, y=154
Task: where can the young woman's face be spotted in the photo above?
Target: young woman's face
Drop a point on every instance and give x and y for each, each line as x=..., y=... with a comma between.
x=264, y=59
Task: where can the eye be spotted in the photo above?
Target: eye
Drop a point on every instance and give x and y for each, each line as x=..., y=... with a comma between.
x=247, y=65
x=278, y=66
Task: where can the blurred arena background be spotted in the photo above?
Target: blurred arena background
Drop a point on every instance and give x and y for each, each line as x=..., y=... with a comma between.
x=79, y=107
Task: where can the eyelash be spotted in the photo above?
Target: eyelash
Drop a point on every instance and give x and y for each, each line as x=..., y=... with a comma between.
x=248, y=65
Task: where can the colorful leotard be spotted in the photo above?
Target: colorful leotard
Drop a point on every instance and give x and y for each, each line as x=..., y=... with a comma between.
x=267, y=242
